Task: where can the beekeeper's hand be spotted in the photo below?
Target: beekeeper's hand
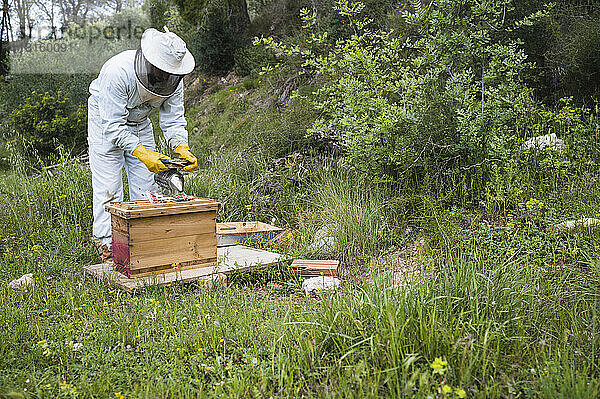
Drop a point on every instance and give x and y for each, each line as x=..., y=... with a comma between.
x=151, y=159
x=183, y=150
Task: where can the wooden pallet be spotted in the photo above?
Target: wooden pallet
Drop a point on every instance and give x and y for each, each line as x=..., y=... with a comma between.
x=229, y=259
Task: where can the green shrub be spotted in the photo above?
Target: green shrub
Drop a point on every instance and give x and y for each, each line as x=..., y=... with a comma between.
x=280, y=18
x=4, y=61
x=159, y=11
x=575, y=60
x=338, y=25
x=437, y=105
x=135, y=16
x=43, y=121
x=249, y=60
x=215, y=43
x=21, y=86
x=563, y=45
x=220, y=29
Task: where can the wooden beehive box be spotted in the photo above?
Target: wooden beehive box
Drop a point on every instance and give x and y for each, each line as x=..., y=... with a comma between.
x=157, y=238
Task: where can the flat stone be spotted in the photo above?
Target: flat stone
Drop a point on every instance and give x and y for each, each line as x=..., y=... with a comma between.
x=322, y=241
x=542, y=142
x=22, y=283
x=572, y=225
x=320, y=284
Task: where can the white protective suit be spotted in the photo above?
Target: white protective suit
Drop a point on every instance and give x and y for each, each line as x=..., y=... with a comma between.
x=118, y=109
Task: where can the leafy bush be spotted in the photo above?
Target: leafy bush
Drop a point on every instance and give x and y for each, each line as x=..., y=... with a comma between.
x=276, y=17
x=220, y=28
x=43, y=121
x=135, y=16
x=439, y=103
x=21, y=86
x=166, y=13
x=338, y=24
x=250, y=59
x=159, y=12
x=215, y=43
x=4, y=62
x=575, y=60
x=563, y=45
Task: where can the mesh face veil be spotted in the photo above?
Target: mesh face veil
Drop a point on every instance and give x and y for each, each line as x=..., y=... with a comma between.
x=156, y=81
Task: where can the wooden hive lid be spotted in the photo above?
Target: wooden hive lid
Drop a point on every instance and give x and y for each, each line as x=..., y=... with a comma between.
x=143, y=209
x=250, y=227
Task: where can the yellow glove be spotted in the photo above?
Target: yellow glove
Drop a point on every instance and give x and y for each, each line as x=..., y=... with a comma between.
x=151, y=159
x=183, y=150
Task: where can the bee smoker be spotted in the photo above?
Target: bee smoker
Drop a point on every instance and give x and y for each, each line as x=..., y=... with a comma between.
x=171, y=180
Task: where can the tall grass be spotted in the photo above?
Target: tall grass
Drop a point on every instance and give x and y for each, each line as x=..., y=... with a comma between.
x=507, y=305
x=505, y=325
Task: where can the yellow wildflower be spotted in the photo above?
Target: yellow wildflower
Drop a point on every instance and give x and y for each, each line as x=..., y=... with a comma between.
x=460, y=393
x=439, y=366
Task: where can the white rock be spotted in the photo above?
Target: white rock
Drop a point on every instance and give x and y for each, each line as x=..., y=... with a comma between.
x=582, y=223
x=22, y=283
x=322, y=241
x=319, y=284
x=543, y=142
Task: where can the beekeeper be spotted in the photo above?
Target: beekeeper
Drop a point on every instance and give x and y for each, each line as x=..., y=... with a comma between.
x=131, y=85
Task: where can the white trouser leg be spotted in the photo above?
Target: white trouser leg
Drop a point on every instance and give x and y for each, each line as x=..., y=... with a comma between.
x=106, y=163
x=140, y=179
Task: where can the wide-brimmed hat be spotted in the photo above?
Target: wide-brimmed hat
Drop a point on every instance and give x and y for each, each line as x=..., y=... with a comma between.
x=167, y=51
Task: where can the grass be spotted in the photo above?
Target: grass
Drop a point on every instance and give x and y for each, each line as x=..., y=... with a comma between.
x=504, y=306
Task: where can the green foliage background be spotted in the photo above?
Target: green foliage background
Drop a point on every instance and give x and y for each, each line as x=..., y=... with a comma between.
x=44, y=122
x=430, y=105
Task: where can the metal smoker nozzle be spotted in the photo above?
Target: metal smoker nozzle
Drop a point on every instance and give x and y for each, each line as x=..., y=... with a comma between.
x=171, y=180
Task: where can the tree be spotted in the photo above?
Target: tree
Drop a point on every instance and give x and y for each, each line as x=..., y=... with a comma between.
x=197, y=12
x=49, y=9
x=441, y=102
x=5, y=37
x=77, y=11
x=118, y=5
x=23, y=10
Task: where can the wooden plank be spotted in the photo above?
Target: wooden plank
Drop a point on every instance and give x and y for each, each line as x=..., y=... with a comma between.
x=164, y=227
x=245, y=233
x=172, y=250
x=168, y=268
x=242, y=258
x=316, y=262
x=106, y=271
x=174, y=210
x=235, y=228
x=316, y=267
x=230, y=259
x=134, y=210
x=135, y=205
